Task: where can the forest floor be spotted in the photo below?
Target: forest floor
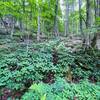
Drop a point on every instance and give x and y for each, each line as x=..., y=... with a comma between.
x=72, y=42
x=20, y=69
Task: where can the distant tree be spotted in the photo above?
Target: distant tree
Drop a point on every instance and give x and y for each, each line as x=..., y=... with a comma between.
x=88, y=13
x=97, y=22
x=67, y=18
x=56, y=19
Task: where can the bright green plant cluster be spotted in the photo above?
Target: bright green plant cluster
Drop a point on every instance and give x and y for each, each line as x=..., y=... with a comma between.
x=61, y=90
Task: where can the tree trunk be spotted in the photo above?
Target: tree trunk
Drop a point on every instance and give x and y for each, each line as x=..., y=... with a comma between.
x=88, y=14
x=67, y=19
x=94, y=40
x=97, y=14
x=55, y=20
x=86, y=40
x=38, y=32
x=73, y=9
x=97, y=2
x=80, y=22
x=12, y=28
x=80, y=16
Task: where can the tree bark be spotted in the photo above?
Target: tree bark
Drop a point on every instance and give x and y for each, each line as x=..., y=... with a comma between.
x=97, y=14
x=38, y=32
x=88, y=14
x=86, y=40
x=12, y=28
x=73, y=9
x=81, y=23
x=80, y=16
x=67, y=19
x=55, y=20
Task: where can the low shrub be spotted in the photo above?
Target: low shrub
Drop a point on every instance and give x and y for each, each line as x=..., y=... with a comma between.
x=61, y=90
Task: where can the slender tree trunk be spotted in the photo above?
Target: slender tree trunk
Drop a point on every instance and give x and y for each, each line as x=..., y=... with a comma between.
x=73, y=18
x=21, y=25
x=80, y=17
x=88, y=13
x=27, y=40
x=42, y=28
x=86, y=40
x=12, y=28
x=67, y=19
x=24, y=12
x=94, y=40
x=23, y=5
x=97, y=7
x=81, y=23
x=56, y=20
x=97, y=14
x=77, y=28
x=38, y=32
x=31, y=11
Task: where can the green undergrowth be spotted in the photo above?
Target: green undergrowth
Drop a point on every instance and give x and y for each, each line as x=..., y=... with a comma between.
x=44, y=62
x=61, y=90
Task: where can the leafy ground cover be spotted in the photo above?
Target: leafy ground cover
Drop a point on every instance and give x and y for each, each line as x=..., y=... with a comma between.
x=61, y=90
x=48, y=71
